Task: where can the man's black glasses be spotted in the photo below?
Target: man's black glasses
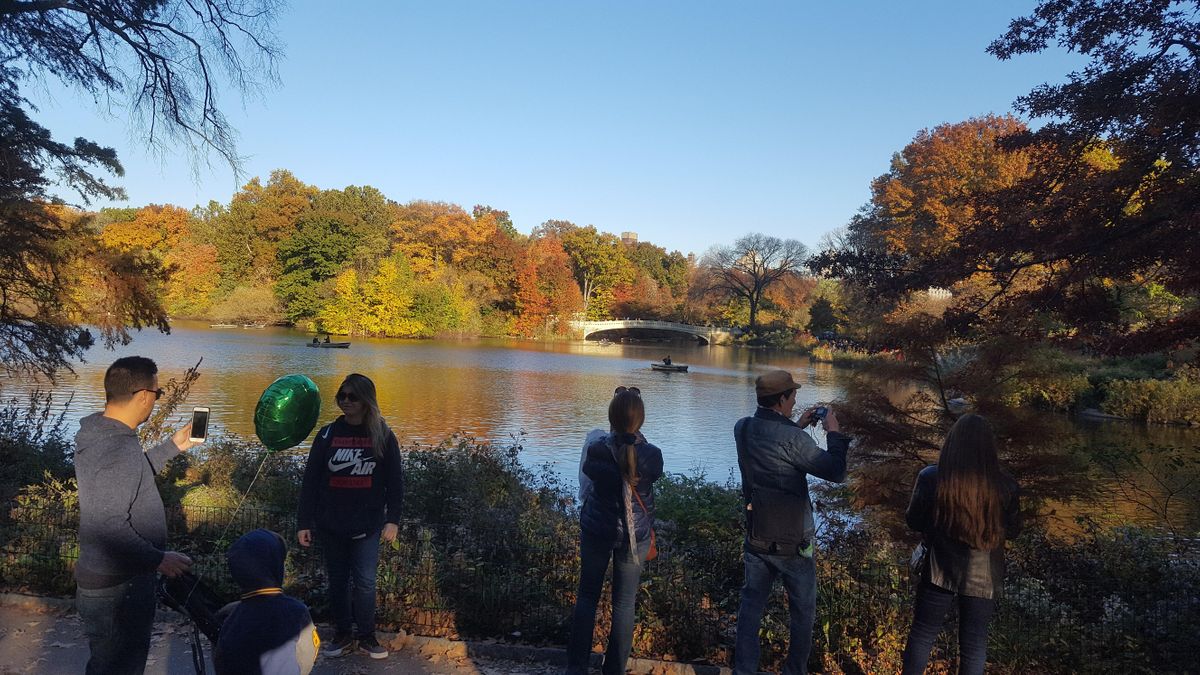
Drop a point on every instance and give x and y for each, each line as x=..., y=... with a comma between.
x=347, y=396
x=634, y=390
x=157, y=392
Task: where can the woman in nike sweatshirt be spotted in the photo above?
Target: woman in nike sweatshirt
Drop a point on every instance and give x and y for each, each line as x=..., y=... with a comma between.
x=350, y=500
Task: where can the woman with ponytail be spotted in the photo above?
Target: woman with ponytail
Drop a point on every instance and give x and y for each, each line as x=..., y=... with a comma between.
x=965, y=507
x=616, y=523
x=351, y=497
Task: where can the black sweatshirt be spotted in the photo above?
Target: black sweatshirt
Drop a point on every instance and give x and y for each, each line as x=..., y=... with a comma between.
x=347, y=490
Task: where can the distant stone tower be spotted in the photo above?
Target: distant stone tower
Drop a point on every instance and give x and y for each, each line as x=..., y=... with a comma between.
x=629, y=238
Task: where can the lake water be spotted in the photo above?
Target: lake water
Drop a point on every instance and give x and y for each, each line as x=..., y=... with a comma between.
x=549, y=395
x=552, y=393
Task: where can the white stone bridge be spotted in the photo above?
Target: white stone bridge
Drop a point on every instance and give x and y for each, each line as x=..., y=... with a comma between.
x=614, y=329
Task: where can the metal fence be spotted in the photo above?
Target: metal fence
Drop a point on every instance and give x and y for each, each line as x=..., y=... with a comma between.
x=517, y=582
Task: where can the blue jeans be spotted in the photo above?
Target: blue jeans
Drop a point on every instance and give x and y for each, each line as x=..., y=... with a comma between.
x=929, y=613
x=117, y=621
x=594, y=555
x=800, y=581
x=350, y=566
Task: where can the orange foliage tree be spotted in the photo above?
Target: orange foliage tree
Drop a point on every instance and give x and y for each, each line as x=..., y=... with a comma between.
x=154, y=228
x=546, y=288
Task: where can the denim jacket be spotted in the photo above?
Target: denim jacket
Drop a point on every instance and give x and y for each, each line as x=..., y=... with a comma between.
x=784, y=454
x=603, y=513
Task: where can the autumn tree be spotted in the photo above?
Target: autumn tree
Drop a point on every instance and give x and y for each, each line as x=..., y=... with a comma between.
x=503, y=221
x=194, y=275
x=164, y=55
x=488, y=259
x=1108, y=203
x=168, y=235
x=925, y=203
x=745, y=270
x=152, y=228
x=546, y=287
x=1139, y=97
x=599, y=263
x=643, y=298
x=259, y=217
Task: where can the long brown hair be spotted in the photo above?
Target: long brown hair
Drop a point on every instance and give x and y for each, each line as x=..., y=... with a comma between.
x=971, y=488
x=626, y=413
x=364, y=389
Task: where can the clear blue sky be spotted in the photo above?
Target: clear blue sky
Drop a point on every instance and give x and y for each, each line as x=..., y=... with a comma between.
x=690, y=123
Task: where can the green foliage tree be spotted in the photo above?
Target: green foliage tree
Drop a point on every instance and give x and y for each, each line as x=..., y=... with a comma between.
x=821, y=317
x=366, y=213
x=599, y=263
x=318, y=250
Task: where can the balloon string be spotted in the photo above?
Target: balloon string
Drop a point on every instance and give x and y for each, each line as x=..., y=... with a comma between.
x=232, y=517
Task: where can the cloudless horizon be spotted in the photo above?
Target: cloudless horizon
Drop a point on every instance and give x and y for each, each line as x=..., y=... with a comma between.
x=689, y=123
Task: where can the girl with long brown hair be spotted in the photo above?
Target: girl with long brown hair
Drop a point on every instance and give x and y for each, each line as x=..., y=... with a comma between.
x=615, y=523
x=965, y=507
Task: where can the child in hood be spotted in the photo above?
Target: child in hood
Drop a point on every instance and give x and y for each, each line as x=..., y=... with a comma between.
x=267, y=632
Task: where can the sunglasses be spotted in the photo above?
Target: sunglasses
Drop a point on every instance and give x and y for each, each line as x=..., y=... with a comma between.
x=347, y=396
x=157, y=392
x=634, y=390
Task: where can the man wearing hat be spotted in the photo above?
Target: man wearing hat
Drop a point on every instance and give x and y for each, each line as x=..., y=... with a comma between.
x=776, y=456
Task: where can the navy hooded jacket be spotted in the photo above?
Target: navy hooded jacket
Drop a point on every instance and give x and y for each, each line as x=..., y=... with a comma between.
x=603, y=513
x=267, y=632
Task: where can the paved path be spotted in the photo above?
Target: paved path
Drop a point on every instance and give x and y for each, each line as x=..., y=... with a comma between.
x=53, y=642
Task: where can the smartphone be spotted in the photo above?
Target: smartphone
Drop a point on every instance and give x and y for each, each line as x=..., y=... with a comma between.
x=199, y=425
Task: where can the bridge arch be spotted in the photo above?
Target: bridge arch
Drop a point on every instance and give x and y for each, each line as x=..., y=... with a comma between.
x=704, y=334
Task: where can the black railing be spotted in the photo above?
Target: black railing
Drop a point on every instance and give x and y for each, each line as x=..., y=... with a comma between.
x=519, y=580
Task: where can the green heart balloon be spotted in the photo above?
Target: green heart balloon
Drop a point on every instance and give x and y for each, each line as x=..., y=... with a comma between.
x=287, y=412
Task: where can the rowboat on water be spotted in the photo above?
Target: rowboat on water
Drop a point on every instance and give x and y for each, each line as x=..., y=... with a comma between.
x=673, y=368
x=329, y=345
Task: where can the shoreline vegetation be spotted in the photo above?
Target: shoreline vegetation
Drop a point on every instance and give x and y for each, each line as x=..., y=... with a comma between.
x=488, y=550
x=1148, y=389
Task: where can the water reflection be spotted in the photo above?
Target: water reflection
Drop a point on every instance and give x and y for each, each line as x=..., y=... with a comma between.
x=552, y=393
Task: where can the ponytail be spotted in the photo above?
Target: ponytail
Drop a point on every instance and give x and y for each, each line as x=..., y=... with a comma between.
x=628, y=463
x=626, y=413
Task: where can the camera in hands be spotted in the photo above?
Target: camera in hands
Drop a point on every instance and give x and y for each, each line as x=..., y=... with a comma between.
x=818, y=415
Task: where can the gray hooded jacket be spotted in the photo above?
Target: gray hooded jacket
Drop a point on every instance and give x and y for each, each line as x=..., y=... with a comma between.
x=122, y=525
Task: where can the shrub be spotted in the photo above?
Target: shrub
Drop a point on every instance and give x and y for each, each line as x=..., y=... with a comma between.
x=1175, y=400
x=489, y=550
x=32, y=442
x=1060, y=391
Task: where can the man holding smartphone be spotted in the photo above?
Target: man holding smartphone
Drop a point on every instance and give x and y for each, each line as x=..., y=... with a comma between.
x=122, y=524
x=776, y=456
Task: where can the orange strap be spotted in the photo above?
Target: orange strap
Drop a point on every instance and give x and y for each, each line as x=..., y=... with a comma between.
x=639, y=498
